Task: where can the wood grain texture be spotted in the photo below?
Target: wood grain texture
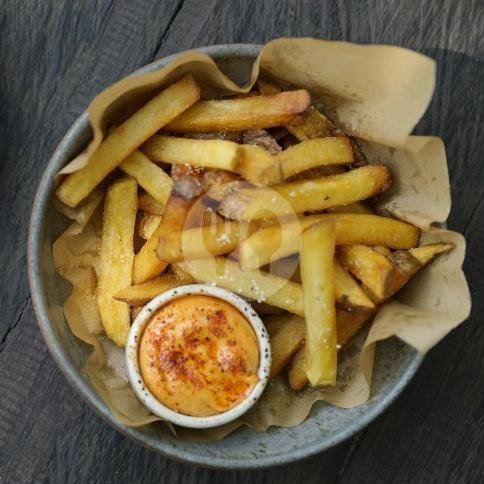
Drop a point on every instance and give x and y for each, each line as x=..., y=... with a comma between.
x=56, y=56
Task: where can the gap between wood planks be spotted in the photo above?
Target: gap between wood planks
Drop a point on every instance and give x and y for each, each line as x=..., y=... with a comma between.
x=3, y=342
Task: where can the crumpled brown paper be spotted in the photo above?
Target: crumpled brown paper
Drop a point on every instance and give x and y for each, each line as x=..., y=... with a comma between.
x=378, y=93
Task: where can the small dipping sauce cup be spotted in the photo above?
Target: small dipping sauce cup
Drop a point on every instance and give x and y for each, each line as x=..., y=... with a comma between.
x=198, y=356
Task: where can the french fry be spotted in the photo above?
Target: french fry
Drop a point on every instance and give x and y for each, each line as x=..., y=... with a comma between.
x=382, y=250
x=146, y=263
x=378, y=273
x=285, y=342
x=427, y=253
x=276, y=242
x=317, y=194
x=147, y=224
x=258, y=165
x=198, y=243
x=349, y=295
x=263, y=287
x=317, y=276
x=374, y=270
x=148, y=204
x=205, y=153
x=117, y=256
x=349, y=323
x=123, y=140
x=296, y=373
x=246, y=113
x=275, y=322
x=140, y=294
x=314, y=125
x=314, y=153
x=148, y=175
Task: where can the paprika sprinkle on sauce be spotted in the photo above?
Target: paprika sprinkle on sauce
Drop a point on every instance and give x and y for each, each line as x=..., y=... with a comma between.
x=199, y=355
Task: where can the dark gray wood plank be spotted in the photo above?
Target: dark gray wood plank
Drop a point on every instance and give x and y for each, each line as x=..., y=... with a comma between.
x=55, y=57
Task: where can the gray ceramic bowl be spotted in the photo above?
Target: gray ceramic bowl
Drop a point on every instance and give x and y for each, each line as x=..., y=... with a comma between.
x=326, y=426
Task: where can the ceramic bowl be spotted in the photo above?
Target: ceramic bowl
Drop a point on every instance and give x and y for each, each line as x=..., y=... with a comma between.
x=135, y=375
x=326, y=426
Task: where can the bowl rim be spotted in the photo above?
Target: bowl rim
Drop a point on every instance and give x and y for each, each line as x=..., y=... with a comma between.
x=67, y=365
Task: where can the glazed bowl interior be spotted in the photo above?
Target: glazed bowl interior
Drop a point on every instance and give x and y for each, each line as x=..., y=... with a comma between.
x=395, y=362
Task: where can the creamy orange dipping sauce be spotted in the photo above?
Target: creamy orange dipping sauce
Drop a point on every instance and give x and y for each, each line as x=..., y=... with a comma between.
x=199, y=355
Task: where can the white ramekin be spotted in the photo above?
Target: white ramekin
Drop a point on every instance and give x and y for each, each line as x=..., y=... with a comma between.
x=158, y=408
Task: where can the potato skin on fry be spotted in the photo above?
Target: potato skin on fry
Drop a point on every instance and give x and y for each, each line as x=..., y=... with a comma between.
x=117, y=256
x=243, y=113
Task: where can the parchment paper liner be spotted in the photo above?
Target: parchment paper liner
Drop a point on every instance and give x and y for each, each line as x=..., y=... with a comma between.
x=379, y=93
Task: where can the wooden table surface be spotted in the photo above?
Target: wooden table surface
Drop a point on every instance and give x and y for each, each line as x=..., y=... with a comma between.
x=55, y=55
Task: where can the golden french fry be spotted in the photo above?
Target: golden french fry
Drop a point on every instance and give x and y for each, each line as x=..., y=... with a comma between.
x=314, y=153
x=145, y=122
x=427, y=253
x=380, y=274
x=296, y=373
x=314, y=125
x=257, y=285
x=198, y=243
x=146, y=263
x=275, y=322
x=148, y=175
x=349, y=295
x=285, y=341
x=148, y=204
x=317, y=194
x=147, y=224
x=382, y=250
x=117, y=256
x=276, y=242
x=206, y=153
x=140, y=294
x=246, y=113
x=258, y=165
x=349, y=323
x=317, y=276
